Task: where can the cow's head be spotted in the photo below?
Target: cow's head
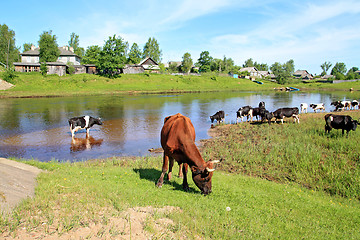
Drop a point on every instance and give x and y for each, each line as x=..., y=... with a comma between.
x=354, y=124
x=98, y=121
x=212, y=119
x=202, y=178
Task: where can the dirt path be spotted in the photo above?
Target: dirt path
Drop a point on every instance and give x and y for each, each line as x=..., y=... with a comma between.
x=17, y=182
x=5, y=85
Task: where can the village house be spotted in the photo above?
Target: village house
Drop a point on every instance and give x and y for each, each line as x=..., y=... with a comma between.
x=30, y=62
x=150, y=65
x=303, y=74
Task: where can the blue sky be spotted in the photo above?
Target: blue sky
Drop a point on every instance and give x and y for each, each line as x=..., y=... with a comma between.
x=268, y=31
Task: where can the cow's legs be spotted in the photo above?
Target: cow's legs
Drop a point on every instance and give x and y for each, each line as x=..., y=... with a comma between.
x=185, y=183
x=180, y=171
x=87, y=132
x=171, y=164
x=164, y=169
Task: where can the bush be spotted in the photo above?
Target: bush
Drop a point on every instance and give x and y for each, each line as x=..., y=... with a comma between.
x=9, y=75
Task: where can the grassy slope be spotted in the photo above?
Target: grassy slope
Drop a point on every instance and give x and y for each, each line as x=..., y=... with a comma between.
x=75, y=195
x=34, y=84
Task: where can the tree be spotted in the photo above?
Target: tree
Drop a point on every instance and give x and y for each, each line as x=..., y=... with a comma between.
x=283, y=71
x=204, y=61
x=152, y=49
x=187, y=63
x=92, y=55
x=49, y=51
x=134, y=54
x=351, y=73
x=27, y=46
x=339, y=71
x=249, y=63
x=74, y=43
x=325, y=67
x=261, y=66
x=9, y=53
x=112, y=56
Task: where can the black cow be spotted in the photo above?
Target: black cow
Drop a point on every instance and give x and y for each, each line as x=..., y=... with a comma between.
x=84, y=122
x=266, y=115
x=258, y=111
x=343, y=122
x=244, y=111
x=218, y=116
x=281, y=113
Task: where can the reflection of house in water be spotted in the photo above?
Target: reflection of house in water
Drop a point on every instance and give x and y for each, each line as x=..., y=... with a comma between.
x=81, y=144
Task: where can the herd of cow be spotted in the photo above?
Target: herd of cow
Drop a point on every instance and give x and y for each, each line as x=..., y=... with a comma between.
x=343, y=122
x=178, y=137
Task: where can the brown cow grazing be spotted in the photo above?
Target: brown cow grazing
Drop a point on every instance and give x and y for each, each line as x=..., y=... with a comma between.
x=178, y=142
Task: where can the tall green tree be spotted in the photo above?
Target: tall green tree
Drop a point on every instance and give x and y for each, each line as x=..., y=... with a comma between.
x=74, y=43
x=49, y=50
x=9, y=53
x=134, y=54
x=27, y=46
x=204, y=62
x=92, y=55
x=339, y=70
x=186, y=63
x=261, y=66
x=249, y=63
x=283, y=72
x=325, y=67
x=152, y=49
x=112, y=57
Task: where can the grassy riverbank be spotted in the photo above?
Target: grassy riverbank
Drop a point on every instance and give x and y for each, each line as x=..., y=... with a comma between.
x=35, y=85
x=313, y=190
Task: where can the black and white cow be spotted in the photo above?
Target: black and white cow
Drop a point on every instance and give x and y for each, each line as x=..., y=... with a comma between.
x=343, y=122
x=303, y=107
x=244, y=111
x=354, y=104
x=318, y=106
x=218, y=116
x=84, y=122
x=338, y=106
x=281, y=113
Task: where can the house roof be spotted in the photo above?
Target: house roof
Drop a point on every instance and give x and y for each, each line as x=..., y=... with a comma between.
x=148, y=64
x=249, y=69
x=36, y=52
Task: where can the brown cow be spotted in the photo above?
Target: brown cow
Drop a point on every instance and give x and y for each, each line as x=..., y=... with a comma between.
x=178, y=142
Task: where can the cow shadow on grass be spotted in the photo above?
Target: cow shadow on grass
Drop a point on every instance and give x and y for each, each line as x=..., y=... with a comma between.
x=153, y=175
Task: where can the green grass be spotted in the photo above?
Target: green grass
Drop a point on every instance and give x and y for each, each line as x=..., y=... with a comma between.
x=300, y=153
x=34, y=84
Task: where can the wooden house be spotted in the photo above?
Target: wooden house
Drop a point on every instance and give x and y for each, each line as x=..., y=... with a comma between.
x=149, y=65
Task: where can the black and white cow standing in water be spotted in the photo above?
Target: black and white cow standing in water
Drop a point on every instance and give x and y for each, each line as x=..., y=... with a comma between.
x=218, y=116
x=343, y=122
x=84, y=122
x=281, y=113
x=246, y=111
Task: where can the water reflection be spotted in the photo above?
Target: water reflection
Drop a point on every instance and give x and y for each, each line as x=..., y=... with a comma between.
x=81, y=144
x=38, y=128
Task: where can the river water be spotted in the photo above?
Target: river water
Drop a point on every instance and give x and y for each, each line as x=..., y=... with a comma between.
x=38, y=127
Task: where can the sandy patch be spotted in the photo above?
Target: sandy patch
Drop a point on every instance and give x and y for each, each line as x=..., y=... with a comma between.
x=134, y=223
x=5, y=85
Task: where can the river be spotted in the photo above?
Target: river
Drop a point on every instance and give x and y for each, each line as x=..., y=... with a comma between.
x=38, y=127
